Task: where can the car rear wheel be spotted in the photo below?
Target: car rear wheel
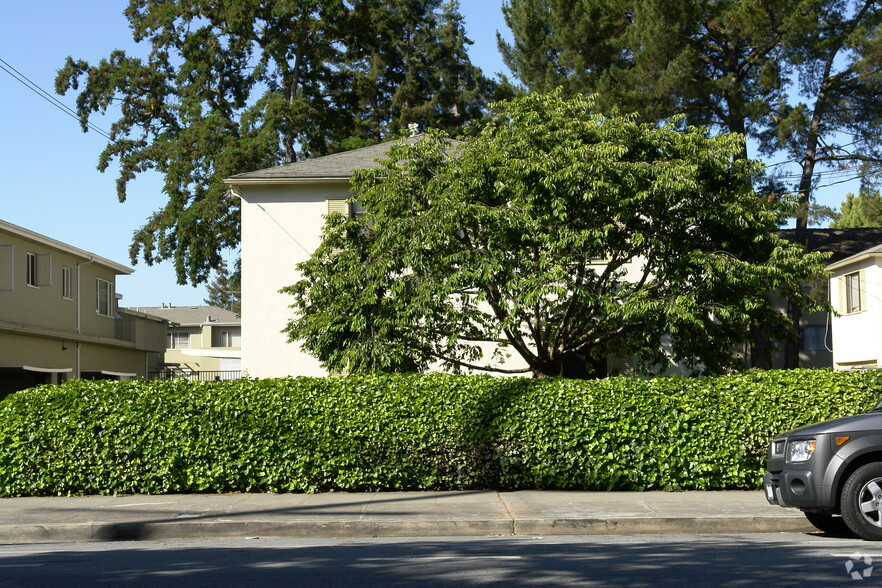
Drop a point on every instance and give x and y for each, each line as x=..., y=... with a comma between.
x=862, y=502
x=828, y=523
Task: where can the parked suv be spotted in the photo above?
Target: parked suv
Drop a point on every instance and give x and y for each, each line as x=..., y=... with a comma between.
x=832, y=471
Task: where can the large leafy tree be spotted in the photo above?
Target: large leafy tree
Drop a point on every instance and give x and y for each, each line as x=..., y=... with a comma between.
x=560, y=235
x=235, y=85
x=802, y=76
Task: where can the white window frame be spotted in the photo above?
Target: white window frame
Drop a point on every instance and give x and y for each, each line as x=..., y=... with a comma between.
x=66, y=283
x=102, y=307
x=38, y=270
x=227, y=337
x=853, y=293
x=178, y=340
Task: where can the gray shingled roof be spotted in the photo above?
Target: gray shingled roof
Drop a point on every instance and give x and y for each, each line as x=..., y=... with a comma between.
x=337, y=165
x=866, y=252
x=842, y=243
x=191, y=315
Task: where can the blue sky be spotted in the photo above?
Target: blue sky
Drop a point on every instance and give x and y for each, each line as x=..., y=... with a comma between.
x=50, y=181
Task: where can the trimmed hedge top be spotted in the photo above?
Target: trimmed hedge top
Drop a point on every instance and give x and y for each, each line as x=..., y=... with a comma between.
x=411, y=432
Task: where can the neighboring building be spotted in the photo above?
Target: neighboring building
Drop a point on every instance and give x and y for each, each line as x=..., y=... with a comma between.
x=59, y=318
x=283, y=211
x=856, y=296
x=282, y=219
x=820, y=341
x=203, y=342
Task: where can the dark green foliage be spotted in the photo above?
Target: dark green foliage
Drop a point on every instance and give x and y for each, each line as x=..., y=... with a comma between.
x=409, y=432
x=229, y=86
x=557, y=236
x=717, y=62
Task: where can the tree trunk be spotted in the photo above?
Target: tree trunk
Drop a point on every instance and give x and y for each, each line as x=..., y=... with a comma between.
x=794, y=313
x=293, y=92
x=760, y=355
x=573, y=365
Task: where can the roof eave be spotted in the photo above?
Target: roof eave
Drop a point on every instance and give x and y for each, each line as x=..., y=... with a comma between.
x=234, y=181
x=76, y=252
x=852, y=260
x=211, y=324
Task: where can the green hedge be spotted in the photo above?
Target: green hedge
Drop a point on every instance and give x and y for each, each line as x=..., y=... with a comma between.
x=411, y=432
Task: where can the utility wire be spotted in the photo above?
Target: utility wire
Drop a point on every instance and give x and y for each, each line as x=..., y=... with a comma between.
x=30, y=85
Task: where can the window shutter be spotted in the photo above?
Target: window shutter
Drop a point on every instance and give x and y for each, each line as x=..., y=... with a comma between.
x=44, y=269
x=6, y=270
x=340, y=205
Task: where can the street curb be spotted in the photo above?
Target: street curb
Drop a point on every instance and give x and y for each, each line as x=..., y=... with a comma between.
x=194, y=530
x=658, y=525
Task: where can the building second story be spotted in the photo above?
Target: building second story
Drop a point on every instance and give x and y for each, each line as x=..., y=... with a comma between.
x=59, y=315
x=47, y=284
x=856, y=296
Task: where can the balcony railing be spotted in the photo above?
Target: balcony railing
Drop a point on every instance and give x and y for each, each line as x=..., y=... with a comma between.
x=200, y=376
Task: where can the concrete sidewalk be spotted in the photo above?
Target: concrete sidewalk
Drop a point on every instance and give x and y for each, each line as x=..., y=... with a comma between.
x=388, y=514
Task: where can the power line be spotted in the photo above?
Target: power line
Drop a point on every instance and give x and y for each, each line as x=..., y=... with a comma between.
x=33, y=87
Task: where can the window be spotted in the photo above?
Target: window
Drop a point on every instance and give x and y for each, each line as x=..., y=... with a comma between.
x=853, y=292
x=32, y=270
x=104, y=304
x=816, y=338
x=178, y=340
x=65, y=283
x=38, y=270
x=231, y=338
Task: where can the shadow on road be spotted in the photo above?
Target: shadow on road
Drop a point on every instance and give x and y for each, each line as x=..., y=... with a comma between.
x=486, y=562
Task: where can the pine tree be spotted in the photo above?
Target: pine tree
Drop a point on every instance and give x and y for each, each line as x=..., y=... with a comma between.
x=715, y=62
x=225, y=291
x=863, y=210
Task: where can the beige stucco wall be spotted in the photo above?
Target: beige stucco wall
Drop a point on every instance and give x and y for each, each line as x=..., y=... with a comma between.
x=176, y=358
x=44, y=306
x=281, y=226
x=95, y=358
x=58, y=353
x=40, y=327
x=44, y=352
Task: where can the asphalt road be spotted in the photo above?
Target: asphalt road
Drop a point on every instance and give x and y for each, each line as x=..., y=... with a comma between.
x=787, y=559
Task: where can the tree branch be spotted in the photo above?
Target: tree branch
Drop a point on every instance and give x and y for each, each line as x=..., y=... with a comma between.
x=471, y=366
